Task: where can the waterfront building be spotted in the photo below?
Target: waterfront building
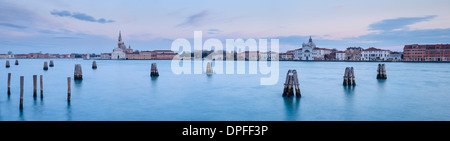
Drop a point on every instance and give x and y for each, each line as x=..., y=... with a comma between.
x=3, y=56
x=164, y=54
x=286, y=56
x=297, y=54
x=240, y=56
x=374, y=54
x=252, y=55
x=105, y=56
x=218, y=55
x=353, y=53
x=430, y=52
x=270, y=55
x=20, y=56
x=323, y=53
x=310, y=51
x=395, y=56
x=331, y=55
x=340, y=55
x=119, y=52
x=10, y=54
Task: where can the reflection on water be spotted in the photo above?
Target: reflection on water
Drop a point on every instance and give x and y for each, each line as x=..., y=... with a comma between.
x=69, y=112
x=209, y=77
x=78, y=83
x=154, y=81
x=129, y=94
x=21, y=118
x=292, y=105
x=349, y=91
x=34, y=100
x=381, y=83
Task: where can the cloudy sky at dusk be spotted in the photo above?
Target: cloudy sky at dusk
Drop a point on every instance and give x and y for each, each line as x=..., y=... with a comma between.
x=81, y=26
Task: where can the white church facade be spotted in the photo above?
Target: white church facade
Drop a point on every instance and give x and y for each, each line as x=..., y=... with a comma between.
x=309, y=51
x=119, y=53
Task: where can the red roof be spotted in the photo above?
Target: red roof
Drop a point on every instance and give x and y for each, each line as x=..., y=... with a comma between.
x=374, y=49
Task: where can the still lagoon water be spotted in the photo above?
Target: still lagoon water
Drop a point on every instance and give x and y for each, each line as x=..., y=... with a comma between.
x=124, y=90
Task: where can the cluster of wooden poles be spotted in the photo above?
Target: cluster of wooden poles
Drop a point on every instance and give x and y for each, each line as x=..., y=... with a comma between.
x=22, y=82
x=381, y=72
x=349, y=80
x=78, y=75
x=7, y=63
x=291, y=81
x=349, y=77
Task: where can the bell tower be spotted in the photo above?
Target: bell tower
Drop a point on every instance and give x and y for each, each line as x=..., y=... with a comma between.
x=120, y=43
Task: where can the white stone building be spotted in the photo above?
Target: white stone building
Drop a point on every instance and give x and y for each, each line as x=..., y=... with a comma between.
x=309, y=51
x=340, y=55
x=118, y=54
x=374, y=54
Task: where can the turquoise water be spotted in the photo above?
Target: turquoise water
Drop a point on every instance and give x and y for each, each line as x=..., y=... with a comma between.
x=124, y=90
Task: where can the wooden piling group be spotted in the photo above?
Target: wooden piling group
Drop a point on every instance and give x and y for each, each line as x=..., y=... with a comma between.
x=94, y=65
x=381, y=72
x=45, y=66
x=349, y=77
x=154, y=70
x=7, y=64
x=78, y=74
x=209, y=70
x=51, y=63
x=291, y=82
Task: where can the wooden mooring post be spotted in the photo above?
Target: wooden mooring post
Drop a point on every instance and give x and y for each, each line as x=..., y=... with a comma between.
x=290, y=83
x=34, y=85
x=68, y=89
x=9, y=83
x=51, y=63
x=78, y=74
x=381, y=72
x=349, y=77
x=45, y=66
x=94, y=65
x=21, y=93
x=7, y=64
x=154, y=70
x=345, y=77
x=209, y=69
x=42, y=86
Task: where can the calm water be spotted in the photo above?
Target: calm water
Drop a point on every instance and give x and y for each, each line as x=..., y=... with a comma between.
x=124, y=90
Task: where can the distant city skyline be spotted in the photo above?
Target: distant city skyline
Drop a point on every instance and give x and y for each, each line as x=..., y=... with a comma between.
x=72, y=26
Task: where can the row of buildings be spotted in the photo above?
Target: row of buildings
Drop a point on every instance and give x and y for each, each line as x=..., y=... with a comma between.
x=430, y=52
x=414, y=52
x=124, y=53
x=309, y=51
x=41, y=55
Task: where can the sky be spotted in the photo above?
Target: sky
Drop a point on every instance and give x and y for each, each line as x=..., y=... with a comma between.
x=86, y=26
